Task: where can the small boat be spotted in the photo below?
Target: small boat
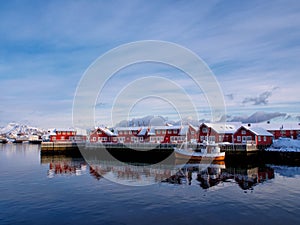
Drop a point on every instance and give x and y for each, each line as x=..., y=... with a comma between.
x=35, y=139
x=210, y=152
x=3, y=140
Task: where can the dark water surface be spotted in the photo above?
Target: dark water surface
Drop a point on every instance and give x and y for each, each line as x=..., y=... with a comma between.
x=37, y=189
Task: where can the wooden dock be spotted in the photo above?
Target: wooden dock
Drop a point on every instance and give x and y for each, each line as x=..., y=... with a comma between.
x=60, y=146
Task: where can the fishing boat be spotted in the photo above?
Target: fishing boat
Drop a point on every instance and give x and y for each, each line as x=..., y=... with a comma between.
x=209, y=151
x=35, y=139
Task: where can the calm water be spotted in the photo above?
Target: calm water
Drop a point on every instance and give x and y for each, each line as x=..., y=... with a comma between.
x=37, y=189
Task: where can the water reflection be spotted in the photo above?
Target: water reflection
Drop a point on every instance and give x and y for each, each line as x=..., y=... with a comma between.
x=211, y=175
x=62, y=165
x=203, y=175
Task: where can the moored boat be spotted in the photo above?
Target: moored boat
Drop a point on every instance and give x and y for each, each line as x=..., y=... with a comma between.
x=207, y=152
x=35, y=139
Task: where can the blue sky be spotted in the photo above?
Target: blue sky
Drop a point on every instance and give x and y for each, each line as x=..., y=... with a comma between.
x=252, y=47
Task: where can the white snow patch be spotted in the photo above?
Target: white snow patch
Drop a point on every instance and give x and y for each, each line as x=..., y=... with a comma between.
x=285, y=145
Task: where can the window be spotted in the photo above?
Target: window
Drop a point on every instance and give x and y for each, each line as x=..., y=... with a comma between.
x=99, y=132
x=130, y=132
x=94, y=138
x=62, y=138
x=192, y=132
x=265, y=138
x=169, y=132
x=99, y=139
x=204, y=130
x=158, y=132
x=243, y=132
x=54, y=138
x=141, y=139
x=238, y=138
x=121, y=139
x=212, y=138
x=163, y=131
x=174, y=131
x=104, y=139
x=258, y=138
x=125, y=132
x=249, y=138
x=63, y=133
x=121, y=132
x=59, y=133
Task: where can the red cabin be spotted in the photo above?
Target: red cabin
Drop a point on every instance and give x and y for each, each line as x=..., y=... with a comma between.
x=289, y=130
x=217, y=132
x=255, y=135
x=166, y=134
x=103, y=135
x=129, y=135
x=62, y=135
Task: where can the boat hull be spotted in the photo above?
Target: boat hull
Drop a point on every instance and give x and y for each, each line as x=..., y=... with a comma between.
x=199, y=156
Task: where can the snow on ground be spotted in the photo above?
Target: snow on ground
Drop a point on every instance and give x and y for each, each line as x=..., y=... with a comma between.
x=285, y=145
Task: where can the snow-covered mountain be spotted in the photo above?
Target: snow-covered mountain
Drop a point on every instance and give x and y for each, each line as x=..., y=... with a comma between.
x=155, y=121
x=14, y=129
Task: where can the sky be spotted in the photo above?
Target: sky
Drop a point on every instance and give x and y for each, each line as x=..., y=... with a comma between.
x=252, y=48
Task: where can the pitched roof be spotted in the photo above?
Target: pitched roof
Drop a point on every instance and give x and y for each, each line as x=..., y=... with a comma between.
x=227, y=128
x=277, y=126
x=127, y=128
x=258, y=131
x=143, y=131
x=107, y=131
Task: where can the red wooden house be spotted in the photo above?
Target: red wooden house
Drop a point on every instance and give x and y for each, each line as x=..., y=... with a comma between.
x=289, y=130
x=193, y=133
x=103, y=135
x=129, y=135
x=255, y=135
x=166, y=134
x=62, y=135
x=217, y=132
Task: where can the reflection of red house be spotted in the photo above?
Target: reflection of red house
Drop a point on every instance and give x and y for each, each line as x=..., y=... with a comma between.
x=62, y=135
x=256, y=135
x=103, y=135
x=216, y=132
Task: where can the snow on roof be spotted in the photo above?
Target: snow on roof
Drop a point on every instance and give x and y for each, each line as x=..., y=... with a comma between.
x=193, y=127
x=183, y=131
x=64, y=129
x=227, y=128
x=143, y=131
x=258, y=131
x=151, y=131
x=277, y=126
x=127, y=128
x=106, y=131
x=167, y=127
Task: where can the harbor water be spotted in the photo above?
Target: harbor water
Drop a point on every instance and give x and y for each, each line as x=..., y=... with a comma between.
x=59, y=189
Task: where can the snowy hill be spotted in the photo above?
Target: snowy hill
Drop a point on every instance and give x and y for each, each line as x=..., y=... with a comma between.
x=155, y=121
x=13, y=129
